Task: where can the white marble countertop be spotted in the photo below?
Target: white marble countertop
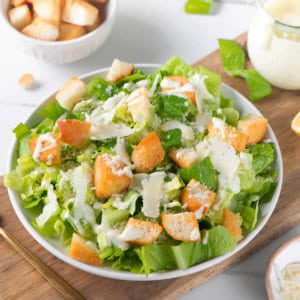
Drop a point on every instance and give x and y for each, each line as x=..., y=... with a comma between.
x=148, y=31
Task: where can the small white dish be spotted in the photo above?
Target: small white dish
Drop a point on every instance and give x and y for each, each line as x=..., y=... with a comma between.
x=59, y=52
x=288, y=252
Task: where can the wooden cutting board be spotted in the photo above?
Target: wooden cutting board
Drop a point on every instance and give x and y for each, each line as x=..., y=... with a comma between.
x=18, y=280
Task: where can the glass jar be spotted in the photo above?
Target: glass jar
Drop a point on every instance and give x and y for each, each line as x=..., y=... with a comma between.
x=274, y=42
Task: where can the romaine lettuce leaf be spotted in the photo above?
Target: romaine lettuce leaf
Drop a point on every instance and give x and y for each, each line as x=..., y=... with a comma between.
x=176, y=66
x=203, y=172
x=263, y=156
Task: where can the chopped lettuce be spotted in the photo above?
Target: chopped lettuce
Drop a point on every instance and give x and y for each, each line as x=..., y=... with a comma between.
x=198, y=6
x=203, y=172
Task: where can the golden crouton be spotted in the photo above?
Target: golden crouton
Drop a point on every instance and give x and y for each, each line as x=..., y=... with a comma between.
x=254, y=127
x=139, y=232
x=118, y=70
x=198, y=198
x=70, y=31
x=230, y=221
x=138, y=104
x=20, y=16
x=183, y=157
x=92, y=27
x=41, y=30
x=148, y=153
x=71, y=93
x=79, y=12
x=46, y=148
x=111, y=175
x=82, y=251
x=26, y=81
x=73, y=132
x=18, y=2
x=48, y=10
x=177, y=82
x=182, y=226
x=228, y=134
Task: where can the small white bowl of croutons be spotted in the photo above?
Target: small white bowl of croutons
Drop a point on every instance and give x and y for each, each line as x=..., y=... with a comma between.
x=58, y=31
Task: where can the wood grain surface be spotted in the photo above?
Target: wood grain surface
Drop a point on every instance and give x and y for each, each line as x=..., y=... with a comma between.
x=18, y=280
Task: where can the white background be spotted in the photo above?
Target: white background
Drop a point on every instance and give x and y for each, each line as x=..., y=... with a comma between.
x=146, y=31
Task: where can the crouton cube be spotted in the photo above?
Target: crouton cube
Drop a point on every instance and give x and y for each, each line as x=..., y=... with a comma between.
x=48, y=10
x=118, y=70
x=138, y=104
x=70, y=31
x=148, y=153
x=198, y=198
x=139, y=232
x=111, y=175
x=79, y=12
x=228, y=134
x=16, y=3
x=81, y=250
x=73, y=132
x=231, y=221
x=179, y=84
x=71, y=93
x=182, y=226
x=92, y=27
x=41, y=30
x=254, y=128
x=26, y=81
x=183, y=157
x=20, y=16
x=98, y=1
x=46, y=148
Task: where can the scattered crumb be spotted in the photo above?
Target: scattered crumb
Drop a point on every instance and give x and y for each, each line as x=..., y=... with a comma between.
x=26, y=81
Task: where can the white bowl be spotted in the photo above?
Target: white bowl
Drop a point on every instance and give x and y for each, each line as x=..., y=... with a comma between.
x=59, y=52
x=287, y=253
x=53, y=245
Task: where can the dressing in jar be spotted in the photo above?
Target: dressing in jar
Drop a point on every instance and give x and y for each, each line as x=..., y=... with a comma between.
x=274, y=42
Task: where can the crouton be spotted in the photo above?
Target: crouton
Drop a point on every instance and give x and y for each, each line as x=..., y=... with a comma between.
x=198, y=198
x=73, y=132
x=138, y=104
x=48, y=10
x=16, y=3
x=20, y=16
x=228, y=134
x=111, y=175
x=79, y=12
x=139, y=232
x=231, y=221
x=26, y=81
x=183, y=157
x=71, y=93
x=118, y=70
x=254, y=127
x=179, y=84
x=41, y=30
x=82, y=251
x=92, y=27
x=70, y=31
x=46, y=148
x=97, y=1
x=182, y=226
x=148, y=153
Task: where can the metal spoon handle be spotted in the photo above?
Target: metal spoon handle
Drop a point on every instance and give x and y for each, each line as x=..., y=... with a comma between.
x=54, y=279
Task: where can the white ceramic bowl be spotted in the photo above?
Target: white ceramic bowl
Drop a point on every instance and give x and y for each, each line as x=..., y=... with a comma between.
x=288, y=252
x=59, y=52
x=53, y=246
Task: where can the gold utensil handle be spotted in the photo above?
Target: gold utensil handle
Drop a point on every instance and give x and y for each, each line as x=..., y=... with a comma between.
x=54, y=279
